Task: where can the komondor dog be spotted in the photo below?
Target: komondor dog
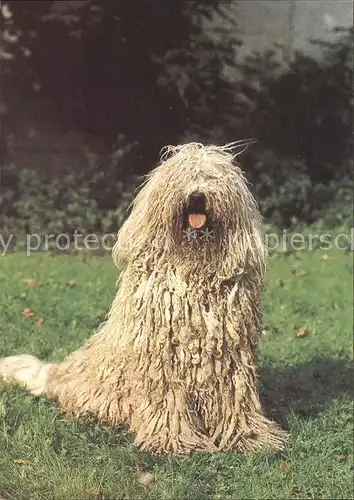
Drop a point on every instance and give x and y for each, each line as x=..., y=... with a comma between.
x=176, y=359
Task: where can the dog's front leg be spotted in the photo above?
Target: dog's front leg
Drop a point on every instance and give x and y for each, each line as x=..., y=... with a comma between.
x=168, y=425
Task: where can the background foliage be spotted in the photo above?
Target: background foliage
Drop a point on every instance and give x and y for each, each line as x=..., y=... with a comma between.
x=148, y=75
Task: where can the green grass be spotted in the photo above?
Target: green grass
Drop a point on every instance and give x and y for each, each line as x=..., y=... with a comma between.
x=306, y=386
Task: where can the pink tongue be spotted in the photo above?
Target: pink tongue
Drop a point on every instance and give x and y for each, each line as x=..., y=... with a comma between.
x=197, y=221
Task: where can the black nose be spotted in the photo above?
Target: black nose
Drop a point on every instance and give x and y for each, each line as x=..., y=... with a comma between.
x=197, y=202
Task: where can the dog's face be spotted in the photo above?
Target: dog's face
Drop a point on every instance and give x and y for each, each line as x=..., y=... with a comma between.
x=195, y=220
x=195, y=204
x=208, y=201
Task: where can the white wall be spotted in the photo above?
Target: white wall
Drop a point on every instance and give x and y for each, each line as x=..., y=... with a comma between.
x=261, y=23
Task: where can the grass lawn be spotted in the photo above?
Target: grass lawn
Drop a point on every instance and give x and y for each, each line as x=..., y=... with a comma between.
x=306, y=386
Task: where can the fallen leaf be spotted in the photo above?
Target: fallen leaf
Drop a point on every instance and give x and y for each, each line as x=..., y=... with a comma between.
x=145, y=478
x=339, y=457
x=32, y=282
x=40, y=321
x=22, y=461
x=287, y=467
x=301, y=273
x=324, y=257
x=28, y=313
x=302, y=332
x=72, y=283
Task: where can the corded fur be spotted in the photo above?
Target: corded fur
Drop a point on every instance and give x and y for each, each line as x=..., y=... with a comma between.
x=175, y=360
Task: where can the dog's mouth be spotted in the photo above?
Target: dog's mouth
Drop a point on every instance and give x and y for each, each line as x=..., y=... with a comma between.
x=196, y=218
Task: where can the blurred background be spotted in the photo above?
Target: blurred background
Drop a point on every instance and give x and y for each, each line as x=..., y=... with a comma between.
x=90, y=91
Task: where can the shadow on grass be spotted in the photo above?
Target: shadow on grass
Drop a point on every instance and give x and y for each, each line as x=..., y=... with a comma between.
x=305, y=389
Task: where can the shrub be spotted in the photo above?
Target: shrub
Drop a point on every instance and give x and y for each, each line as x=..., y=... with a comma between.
x=304, y=110
x=301, y=114
x=91, y=200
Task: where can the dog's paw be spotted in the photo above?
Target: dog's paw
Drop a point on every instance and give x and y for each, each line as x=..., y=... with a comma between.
x=27, y=370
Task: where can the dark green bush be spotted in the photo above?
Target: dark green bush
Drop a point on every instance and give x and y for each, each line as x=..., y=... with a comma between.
x=90, y=200
x=56, y=207
x=303, y=111
x=285, y=191
x=301, y=114
x=287, y=197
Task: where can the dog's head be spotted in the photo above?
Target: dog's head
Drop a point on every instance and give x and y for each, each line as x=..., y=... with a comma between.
x=195, y=206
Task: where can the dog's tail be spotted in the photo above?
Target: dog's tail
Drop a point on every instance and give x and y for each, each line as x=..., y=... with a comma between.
x=27, y=371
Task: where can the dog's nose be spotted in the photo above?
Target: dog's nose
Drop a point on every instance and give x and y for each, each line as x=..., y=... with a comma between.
x=197, y=202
